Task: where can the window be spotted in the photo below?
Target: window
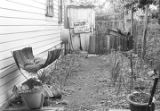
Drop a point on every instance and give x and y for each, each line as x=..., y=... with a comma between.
x=50, y=8
x=60, y=12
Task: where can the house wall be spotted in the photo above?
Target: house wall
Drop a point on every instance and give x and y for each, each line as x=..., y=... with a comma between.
x=23, y=23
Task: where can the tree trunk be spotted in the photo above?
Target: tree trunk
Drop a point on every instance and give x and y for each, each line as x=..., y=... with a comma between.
x=145, y=31
x=159, y=13
x=132, y=21
x=132, y=30
x=132, y=74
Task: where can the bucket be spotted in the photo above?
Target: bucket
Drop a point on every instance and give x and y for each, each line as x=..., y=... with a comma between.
x=34, y=99
x=76, y=42
x=85, y=39
x=64, y=35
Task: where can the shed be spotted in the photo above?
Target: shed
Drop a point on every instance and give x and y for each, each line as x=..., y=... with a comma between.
x=80, y=19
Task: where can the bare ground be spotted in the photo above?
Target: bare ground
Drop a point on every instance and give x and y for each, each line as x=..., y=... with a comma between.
x=87, y=84
x=89, y=87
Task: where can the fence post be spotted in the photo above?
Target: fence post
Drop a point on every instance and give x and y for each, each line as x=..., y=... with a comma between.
x=145, y=31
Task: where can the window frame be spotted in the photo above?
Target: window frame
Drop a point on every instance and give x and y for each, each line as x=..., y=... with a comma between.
x=49, y=8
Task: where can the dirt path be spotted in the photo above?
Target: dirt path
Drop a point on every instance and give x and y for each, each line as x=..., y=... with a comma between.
x=90, y=87
x=87, y=85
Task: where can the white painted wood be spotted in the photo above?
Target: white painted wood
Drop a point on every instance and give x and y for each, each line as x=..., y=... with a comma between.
x=8, y=78
x=5, y=63
x=85, y=39
x=39, y=48
x=7, y=52
x=23, y=29
x=21, y=11
x=5, y=91
x=27, y=35
x=25, y=42
x=19, y=5
x=24, y=15
x=47, y=47
x=8, y=70
x=76, y=42
x=40, y=1
x=23, y=23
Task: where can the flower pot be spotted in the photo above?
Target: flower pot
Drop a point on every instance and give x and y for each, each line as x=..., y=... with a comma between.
x=33, y=98
x=137, y=105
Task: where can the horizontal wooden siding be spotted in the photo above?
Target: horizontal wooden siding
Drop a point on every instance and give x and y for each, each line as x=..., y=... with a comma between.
x=23, y=23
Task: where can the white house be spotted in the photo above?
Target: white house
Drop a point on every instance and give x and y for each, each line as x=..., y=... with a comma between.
x=35, y=23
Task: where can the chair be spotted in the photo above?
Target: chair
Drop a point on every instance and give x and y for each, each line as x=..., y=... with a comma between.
x=17, y=57
x=28, y=52
x=27, y=63
x=52, y=56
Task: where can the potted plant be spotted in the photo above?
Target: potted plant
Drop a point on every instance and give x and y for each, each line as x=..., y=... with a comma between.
x=32, y=93
x=138, y=101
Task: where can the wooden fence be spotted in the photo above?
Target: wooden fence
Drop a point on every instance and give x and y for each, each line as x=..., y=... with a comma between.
x=105, y=39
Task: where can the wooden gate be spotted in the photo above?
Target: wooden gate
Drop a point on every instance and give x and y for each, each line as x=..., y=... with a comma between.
x=102, y=37
x=104, y=41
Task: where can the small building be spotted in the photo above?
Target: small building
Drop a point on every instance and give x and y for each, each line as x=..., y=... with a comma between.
x=35, y=23
x=80, y=20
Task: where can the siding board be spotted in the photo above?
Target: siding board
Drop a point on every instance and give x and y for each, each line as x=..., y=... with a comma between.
x=18, y=6
x=8, y=78
x=13, y=67
x=23, y=23
x=7, y=88
x=35, y=35
x=42, y=2
x=39, y=45
x=26, y=22
x=7, y=53
x=26, y=4
x=6, y=12
x=10, y=69
x=22, y=29
x=8, y=84
x=24, y=42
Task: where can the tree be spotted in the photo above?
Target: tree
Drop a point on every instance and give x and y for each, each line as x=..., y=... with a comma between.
x=159, y=12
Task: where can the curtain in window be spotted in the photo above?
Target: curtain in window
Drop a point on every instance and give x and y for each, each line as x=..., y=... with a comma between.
x=50, y=8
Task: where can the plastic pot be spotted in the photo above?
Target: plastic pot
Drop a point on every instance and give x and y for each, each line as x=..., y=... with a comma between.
x=136, y=106
x=33, y=99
